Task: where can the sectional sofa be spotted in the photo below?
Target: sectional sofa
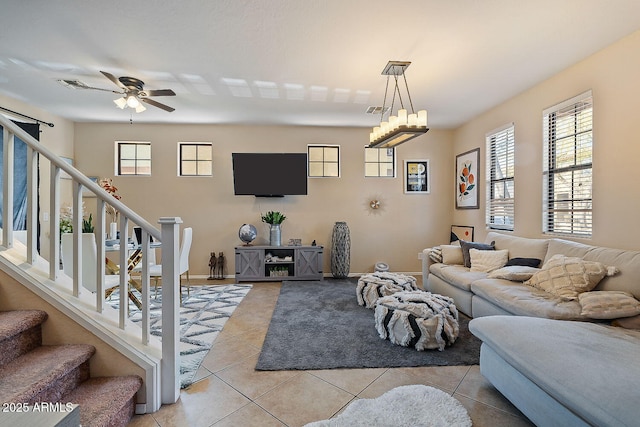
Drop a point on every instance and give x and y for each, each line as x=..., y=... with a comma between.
x=550, y=347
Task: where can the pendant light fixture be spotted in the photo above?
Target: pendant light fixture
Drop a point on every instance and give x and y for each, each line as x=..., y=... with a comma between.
x=403, y=126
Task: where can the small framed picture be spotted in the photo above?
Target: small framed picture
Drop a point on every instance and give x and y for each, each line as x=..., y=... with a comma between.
x=467, y=179
x=416, y=177
x=63, y=174
x=461, y=232
x=87, y=193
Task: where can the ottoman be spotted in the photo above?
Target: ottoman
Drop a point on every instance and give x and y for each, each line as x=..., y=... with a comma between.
x=418, y=319
x=373, y=286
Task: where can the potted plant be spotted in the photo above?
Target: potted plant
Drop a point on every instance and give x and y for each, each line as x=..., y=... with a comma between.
x=274, y=219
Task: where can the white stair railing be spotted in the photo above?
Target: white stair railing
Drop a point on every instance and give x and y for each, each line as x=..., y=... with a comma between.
x=169, y=386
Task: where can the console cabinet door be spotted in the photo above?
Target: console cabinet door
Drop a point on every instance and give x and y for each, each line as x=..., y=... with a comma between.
x=249, y=264
x=309, y=263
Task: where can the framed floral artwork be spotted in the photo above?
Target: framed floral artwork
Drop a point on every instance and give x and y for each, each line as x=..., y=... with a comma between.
x=416, y=177
x=467, y=179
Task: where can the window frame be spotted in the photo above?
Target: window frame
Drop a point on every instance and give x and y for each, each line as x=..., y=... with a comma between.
x=503, y=136
x=580, y=219
x=324, y=163
x=135, y=159
x=197, y=161
x=379, y=163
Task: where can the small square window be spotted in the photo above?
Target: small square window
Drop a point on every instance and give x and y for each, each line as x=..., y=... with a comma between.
x=324, y=160
x=134, y=158
x=196, y=159
x=379, y=162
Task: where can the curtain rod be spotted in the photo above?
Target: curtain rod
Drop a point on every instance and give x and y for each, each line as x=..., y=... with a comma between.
x=26, y=117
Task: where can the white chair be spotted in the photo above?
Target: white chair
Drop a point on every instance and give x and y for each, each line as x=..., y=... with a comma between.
x=151, y=258
x=89, y=262
x=155, y=271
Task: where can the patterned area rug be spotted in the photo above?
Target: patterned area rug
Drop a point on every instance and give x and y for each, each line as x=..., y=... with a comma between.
x=202, y=317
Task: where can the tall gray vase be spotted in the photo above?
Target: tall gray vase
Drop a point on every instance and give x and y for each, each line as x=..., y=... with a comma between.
x=340, y=250
x=274, y=235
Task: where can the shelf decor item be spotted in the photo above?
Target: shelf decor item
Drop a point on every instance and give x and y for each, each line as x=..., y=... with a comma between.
x=340, y=250
x=274, y=219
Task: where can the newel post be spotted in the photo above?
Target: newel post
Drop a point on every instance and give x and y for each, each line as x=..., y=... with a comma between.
x=170, y=367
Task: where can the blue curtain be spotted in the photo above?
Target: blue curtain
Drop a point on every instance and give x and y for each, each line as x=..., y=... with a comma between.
x=19, y=176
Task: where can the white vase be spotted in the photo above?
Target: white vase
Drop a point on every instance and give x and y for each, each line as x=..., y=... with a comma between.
x=113, y=231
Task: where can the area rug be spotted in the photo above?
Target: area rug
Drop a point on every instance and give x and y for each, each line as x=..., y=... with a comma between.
x=202, y=316
x=405, y=406
x=319, y=325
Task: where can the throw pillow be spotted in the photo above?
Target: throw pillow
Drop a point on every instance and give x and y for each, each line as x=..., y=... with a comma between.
x=452, y=255
x=608, y=304
x=567, y=277
x=466, y=246
x=627, y=322
x=487, y=261
x=529, y=262
x=435, y=254
x=515, y=273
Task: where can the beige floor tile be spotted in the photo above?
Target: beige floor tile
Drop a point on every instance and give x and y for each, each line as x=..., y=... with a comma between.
x=393, y=378
x=248, y=416
x=201, y=404
x=227, y=352
x=488, y=416
x=303, y=399
x=476, y=387
x=146, y=420
x=446, y=377
x=350, y=380
x=243, y=377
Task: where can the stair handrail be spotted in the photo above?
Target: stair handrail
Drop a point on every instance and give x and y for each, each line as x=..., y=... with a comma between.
x=168, y=389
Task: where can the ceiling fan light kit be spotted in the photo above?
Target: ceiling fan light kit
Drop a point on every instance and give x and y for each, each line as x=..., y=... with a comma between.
x=403, y=126
x=131, y=89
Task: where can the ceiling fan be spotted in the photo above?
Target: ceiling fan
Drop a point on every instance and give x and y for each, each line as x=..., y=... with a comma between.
x=132, y=91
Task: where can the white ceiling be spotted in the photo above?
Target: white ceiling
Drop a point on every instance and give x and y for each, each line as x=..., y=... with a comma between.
x=307, y=62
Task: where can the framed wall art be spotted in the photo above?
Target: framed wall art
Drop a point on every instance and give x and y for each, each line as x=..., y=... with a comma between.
x=416, y=177
x=467, y=179
x=461, y=232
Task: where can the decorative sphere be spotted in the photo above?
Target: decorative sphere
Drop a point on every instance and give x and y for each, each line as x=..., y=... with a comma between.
x=247, y=233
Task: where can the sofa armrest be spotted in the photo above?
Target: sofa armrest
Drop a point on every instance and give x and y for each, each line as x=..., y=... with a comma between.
x=426, y=263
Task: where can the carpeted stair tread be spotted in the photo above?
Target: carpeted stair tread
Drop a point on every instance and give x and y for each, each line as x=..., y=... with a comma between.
x=20, y=332
x=16, y=321
x=105, y=401
x=32, y=375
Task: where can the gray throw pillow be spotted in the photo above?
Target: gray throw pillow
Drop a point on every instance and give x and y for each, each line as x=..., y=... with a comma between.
x=466, y=246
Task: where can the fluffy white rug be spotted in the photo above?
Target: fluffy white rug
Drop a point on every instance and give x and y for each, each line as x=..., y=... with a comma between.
x=406, y=406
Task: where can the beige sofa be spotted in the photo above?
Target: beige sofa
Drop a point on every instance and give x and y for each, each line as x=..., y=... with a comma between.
x=566, y=372
x=478, y=295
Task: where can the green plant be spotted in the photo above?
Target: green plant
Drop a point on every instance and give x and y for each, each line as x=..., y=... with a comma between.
x=66, y=226
x=87, y=224
x=272, y=217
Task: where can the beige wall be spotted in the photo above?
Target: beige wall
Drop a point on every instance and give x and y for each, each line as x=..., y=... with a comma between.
x=612, y=75
x=395, y=233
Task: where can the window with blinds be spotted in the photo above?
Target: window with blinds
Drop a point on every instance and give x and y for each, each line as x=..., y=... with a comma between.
x=500, y=178
x=568, y=143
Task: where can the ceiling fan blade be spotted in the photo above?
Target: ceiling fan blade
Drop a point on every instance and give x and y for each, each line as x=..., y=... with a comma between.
x=113, y=79
x=77, y=84
x=157, y=104
x=159, y=92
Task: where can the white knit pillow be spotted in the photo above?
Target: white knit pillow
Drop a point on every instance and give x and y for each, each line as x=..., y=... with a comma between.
x=487, y=261
x=608, y=304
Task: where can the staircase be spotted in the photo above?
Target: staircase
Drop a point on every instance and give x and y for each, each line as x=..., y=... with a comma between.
x=31, y=373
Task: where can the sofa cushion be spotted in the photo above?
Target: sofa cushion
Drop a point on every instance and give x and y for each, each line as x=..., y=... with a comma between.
x=452, y=254
x=608, y=304
x=522, y=300
x=519, y=247
x=567, y=277
x=516, y=273
x=488, y=260
x=589, y=368
x=456, y=275
x=467, y=246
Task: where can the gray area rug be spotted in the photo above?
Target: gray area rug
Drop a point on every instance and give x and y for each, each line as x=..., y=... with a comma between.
x=319, y=325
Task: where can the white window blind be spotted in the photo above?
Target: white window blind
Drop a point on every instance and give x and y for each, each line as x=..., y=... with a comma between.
x=500, y=211
x=567, y=177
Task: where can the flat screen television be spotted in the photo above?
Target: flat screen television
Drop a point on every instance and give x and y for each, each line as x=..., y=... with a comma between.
x=269, y=174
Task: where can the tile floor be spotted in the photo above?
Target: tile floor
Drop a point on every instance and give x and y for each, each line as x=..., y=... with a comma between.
x=229, y=392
